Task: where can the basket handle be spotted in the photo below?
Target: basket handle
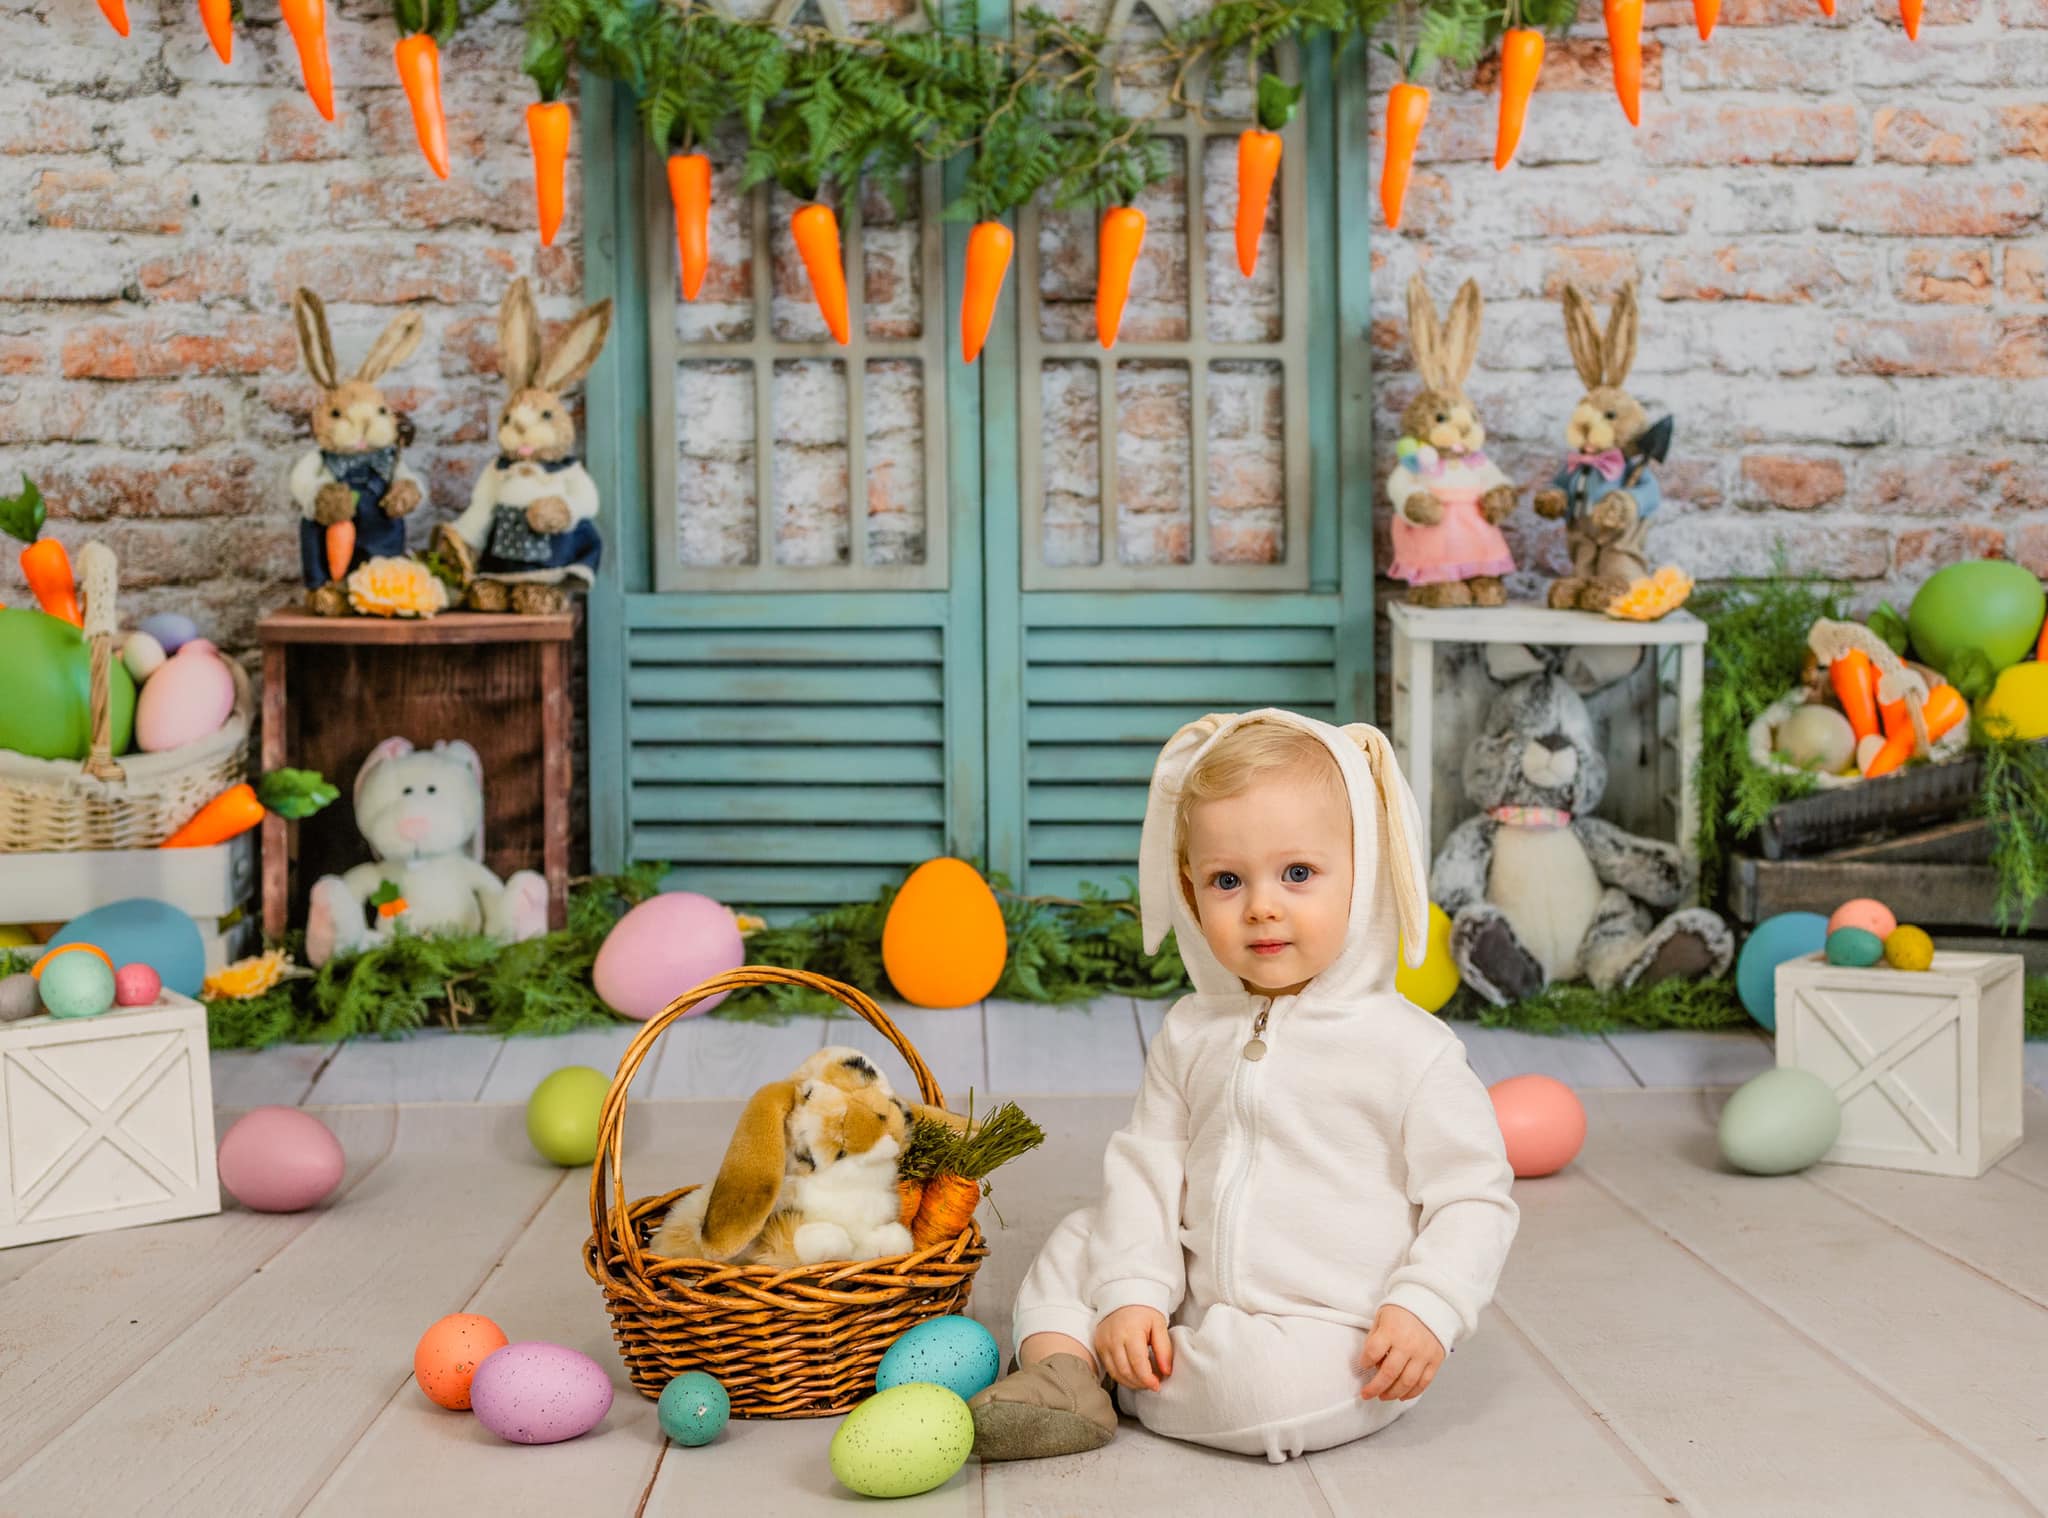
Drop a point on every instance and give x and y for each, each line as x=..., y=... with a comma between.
x=608, y=1225
x=99, y=578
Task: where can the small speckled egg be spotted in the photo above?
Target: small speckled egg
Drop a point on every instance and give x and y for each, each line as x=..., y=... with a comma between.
x=136, y=986
x=1871, y=916
x=1855, y=947
x=1781, y=1121
x=143, y=655
x=954, y=1352
x=694, y=1408
x=539, y=1393
x=19, y=997
x=77, y=985
x=446, y=1358
x=1909, y=948
x=903, y=1441
x=280, y=1159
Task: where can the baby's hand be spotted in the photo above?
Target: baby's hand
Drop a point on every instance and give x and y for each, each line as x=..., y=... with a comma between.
x=1127, y=1342
x=1406, y=1353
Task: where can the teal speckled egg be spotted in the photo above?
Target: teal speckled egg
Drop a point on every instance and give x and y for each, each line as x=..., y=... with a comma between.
x=1782, y=1121
x=694, y=1408
x=1855, y=947
x=903, y=1441
x=954, y=1352
x=77, y=985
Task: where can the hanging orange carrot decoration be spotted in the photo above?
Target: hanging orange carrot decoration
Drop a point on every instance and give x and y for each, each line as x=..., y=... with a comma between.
x=419, y=70
x=547, y=128
x=116, y=12
x=307, y=21
x=218, y=17
x=1407, y=109
x=1625, y=43
x=1121, y=239
x=1258, y=164
x=1705, y=15
x=1521, y=60
x=1909, y=12
x=689, y=186
x=816, y=230
x=989, y=247
x=1827, y=9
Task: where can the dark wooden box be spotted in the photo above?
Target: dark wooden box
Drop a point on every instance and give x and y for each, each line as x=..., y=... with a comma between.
x=336, y=687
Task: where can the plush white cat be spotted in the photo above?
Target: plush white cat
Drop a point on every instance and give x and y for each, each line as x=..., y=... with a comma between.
x=422, y=813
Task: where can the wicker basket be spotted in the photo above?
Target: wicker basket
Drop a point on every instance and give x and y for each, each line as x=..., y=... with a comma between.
x=61, y=805
x=798, y=1343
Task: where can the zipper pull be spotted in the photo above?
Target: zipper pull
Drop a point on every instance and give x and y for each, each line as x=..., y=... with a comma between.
x=1255, y=1047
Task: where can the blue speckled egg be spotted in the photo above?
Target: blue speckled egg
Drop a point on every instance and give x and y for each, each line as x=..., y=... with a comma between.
x=539, y=1393
x=1855, y=947
x=954, y=1352
x=903, y=1441
x=694, y=1408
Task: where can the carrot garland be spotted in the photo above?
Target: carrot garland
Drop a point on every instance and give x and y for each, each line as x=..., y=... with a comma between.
x=229, y=815
x=689, y=186
x=419, y=70
x=1909, y=12
x=816, y=230
x=989, y=247
x=307, y=20
x=116, y=12
x=1258, y=164
x=218, y=17
x=1521, y=60
x=1705, y=15
x=1407, y=109
x=547, y=128
x=1119, y=242
x=1625, y=43
x=341, y=548
x=44, y=563
x=1827, y=8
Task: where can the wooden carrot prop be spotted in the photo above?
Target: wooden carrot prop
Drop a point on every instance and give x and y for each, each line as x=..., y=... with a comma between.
x=307, y=20
x=218, y=17
x=989, y=247
x=341, y=548
x=1705, y=13
x=1121, y=239
x=1521, y=60
x=116, y=12
x=1625, y=43
x=689, y=186
x=44, y=563
x=1909, y=12
x=1258, y=164
x=1407, y=109
x=1855, y=684
x=816, y=230
x=419, y=70
x=229, y=815
x=547, y=128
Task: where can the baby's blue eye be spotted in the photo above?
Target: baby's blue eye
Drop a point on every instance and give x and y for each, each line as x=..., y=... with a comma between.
x=1224, y=881
x=1298, y=874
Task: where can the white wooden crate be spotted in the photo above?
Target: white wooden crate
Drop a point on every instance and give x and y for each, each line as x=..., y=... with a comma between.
x=207, y=883
x=105, y=1122
x=1927, y=1066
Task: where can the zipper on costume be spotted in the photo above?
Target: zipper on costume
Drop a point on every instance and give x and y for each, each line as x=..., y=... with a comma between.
x=1242, y=1106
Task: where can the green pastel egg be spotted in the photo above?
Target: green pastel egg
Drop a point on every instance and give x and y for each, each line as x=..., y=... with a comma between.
x=561, y=1115
x=1855, y=947
x=905, y=1440
x=1988, y=604
x=1782, y=1121
x=694, y=1407
x=77, y=985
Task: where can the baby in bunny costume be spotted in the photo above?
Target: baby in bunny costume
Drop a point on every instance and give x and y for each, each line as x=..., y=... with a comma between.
x=1310, y=1204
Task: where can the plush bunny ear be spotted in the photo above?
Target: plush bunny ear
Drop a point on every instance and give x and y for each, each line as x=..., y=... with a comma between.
x=1621, y=336
x=750, y=1180
x=1582, y=335
x=1424, y=336
x=316, y=347
x=1158, y=862
x=394, y=345
x=570, y=359
x=1461, y=335
x=460, y=751
x=1400, y=841
x=518, y=337
x=390, y=748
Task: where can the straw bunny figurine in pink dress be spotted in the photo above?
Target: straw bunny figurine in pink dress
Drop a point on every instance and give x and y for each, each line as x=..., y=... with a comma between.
x=1449, y=499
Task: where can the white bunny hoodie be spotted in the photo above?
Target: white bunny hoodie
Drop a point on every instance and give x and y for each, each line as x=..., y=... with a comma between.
x=1359, y=1162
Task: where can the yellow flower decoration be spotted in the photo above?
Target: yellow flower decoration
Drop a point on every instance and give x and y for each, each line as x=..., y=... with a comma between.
x=1649, y=599
x=749, y=924
x=247, y=977
x=396, y=588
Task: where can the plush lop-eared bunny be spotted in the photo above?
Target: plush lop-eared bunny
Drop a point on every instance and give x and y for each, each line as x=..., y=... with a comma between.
x=1605, y=491
x=354, y=472
x=1449, y=499
x=1536, y=887
x=422, y=813
x=531, y=526
x=810, y=1174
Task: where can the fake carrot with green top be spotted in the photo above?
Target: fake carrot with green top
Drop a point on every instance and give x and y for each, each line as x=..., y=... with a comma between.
x=1258, y=165
x=44, y=563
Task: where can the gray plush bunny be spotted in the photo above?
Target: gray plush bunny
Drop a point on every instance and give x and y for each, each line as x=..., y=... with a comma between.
x=1536, y=887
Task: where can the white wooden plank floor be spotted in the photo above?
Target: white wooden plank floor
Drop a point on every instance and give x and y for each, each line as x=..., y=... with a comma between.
x=1668, y=1337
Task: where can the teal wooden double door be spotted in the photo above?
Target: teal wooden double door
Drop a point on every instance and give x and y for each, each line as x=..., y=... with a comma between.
x=868, y=605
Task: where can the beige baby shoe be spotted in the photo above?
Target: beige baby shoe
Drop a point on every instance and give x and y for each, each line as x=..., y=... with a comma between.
x=1057, y=1407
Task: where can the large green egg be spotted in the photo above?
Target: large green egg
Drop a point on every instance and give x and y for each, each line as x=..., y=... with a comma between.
x=46, y=688
x=1989, y=604
x=902, y=1441
x=1782, y=1121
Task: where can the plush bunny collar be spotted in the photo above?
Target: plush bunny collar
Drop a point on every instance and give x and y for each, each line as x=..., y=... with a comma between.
x=552, y=466
x=1531, y=816
x=1389, y=893
x=373, y=466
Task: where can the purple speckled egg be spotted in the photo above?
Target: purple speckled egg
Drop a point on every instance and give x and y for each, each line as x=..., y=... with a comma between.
x=539, y=1393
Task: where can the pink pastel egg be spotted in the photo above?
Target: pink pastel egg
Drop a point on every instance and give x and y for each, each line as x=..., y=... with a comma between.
x=662, y=948
x=279, y=1159
x=1541, y=1122
x=189, y=697
x=1871, y=916
x=136, y=986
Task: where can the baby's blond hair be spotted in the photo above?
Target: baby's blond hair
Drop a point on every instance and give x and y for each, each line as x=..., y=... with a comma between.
x=1241, y=756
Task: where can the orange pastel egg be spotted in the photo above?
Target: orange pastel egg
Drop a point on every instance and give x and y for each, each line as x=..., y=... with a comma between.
x=944, y=943
x=1541, y=1122
x=449, y=1353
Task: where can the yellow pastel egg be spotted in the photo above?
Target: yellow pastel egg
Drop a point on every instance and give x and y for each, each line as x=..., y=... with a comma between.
x=1909, y=948
x=1430, y=984
x=943, y=942
x=2019, y=701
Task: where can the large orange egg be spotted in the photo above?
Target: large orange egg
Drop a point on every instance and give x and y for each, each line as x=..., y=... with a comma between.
x=449, y=1353
x=944, y=944
x=1541, y=1121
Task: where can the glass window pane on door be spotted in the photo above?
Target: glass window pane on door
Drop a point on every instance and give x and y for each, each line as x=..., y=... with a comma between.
x=1179, y=459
